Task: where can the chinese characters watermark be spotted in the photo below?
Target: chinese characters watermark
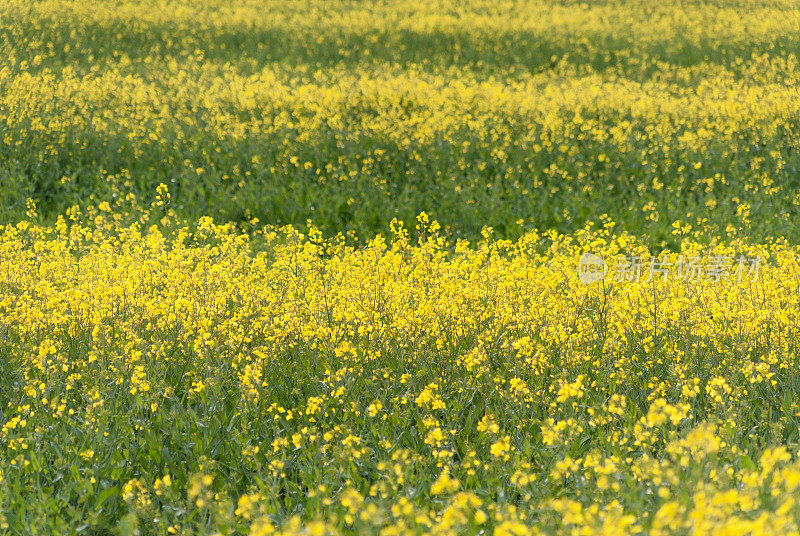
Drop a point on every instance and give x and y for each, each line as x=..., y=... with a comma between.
x=634, y=268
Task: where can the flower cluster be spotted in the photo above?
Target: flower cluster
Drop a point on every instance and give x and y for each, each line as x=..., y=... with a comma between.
x=204, y=380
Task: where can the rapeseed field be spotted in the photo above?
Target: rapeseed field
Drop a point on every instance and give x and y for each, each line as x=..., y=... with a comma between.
x=381, y=267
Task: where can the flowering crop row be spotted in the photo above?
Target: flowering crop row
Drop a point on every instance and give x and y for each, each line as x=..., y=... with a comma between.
x=207, y=381
x=510, y=114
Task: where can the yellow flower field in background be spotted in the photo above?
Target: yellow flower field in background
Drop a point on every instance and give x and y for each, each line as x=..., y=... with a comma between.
x=514, y=114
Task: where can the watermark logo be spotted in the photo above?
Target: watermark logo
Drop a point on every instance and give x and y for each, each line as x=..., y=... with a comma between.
x=591, y=268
